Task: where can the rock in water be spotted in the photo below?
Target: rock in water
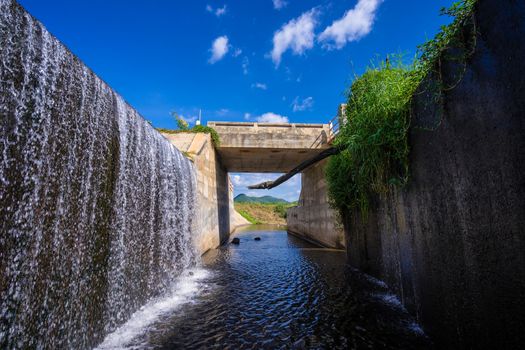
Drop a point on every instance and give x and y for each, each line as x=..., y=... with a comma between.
x=236, y=241
x=257, y=238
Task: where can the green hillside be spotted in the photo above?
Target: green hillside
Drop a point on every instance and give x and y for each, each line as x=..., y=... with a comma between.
x=242, y=198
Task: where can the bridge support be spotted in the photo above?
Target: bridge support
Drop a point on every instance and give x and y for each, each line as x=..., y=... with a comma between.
x=313, y=219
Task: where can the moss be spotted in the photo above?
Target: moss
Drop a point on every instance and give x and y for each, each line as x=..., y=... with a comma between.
x=196, y=129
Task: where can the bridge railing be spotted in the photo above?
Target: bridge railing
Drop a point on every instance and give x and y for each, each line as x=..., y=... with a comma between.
x=334, y=128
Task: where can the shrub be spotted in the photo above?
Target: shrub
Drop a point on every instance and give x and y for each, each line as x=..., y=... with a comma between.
x=374, y=136
x=181, y=123
x=280, y=209
x=208, y=130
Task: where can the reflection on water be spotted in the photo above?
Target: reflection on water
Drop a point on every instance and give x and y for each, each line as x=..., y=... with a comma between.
x=282, y=292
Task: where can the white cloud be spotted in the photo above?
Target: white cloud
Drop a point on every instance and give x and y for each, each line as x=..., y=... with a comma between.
x=236, y=52
x=219, y=11
x=245, y=65
x=289, y=190
x=236, y=180
x=189, y=119
x=355, y=24
x=272, y=118
x=222, y=112
x=219, y=49
x=244, y=180
x=279, y=4
x=260, y=86
x=303, y=105
x=247, y=116
x=297, y=35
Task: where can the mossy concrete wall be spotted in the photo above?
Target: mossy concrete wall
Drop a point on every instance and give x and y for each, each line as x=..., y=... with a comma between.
x=452, y=242
x=313, y=219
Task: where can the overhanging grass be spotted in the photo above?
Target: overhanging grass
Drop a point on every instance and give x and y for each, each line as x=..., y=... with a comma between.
x=374, y=135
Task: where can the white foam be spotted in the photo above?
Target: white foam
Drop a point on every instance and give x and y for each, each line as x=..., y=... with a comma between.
x=393, y=301
x=416, y=328
x=389, y=299
x=183, y=291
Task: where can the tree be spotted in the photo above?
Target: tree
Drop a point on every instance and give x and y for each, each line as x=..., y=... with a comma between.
x=181, y=123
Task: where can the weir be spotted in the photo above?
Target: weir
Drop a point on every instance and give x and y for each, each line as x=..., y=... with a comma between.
x=96, y=206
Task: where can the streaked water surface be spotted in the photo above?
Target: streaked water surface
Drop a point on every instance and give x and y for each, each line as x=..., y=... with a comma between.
x=279, y=292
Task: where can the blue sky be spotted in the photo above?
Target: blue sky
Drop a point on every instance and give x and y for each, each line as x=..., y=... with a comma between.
x=266, y=60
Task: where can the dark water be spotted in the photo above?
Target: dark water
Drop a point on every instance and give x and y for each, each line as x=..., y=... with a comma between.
x=282, y=292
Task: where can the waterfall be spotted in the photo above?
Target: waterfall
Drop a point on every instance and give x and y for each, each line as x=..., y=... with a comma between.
x=96, y=207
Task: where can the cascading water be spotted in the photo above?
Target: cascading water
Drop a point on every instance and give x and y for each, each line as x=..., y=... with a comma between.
x=95, y=206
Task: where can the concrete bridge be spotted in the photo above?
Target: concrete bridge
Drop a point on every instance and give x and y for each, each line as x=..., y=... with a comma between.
x=260, y=148
x=269, y=147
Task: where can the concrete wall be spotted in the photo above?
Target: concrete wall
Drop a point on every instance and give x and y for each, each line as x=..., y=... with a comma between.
x=313, y=219
x=236, y=219
x=216, y=217
x=452, y=243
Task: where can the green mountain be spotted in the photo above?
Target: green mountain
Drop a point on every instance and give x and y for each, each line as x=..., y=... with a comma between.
x=242, y=198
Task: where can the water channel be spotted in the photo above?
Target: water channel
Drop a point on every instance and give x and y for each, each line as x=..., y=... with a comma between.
x=279, y=292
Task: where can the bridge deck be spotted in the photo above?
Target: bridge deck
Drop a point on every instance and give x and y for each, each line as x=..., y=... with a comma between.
x=268, y=147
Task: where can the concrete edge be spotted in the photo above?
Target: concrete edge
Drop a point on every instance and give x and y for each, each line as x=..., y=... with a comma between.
x=311, y=240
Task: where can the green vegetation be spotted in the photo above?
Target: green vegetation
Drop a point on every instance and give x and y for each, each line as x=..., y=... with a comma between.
x=264, y=212
x=181, y=123
x=208, y=130
x=196, y=129
x=373, y=139
x=280, y=209
x=242, y=198
x=450, y=36
x=245, y=214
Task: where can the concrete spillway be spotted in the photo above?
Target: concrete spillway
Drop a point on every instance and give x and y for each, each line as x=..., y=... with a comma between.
x=96, y=207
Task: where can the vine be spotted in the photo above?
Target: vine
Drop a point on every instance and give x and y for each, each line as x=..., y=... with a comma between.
x=456, y=42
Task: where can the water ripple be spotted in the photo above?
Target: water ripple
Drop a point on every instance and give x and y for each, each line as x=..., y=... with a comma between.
x=282, y=293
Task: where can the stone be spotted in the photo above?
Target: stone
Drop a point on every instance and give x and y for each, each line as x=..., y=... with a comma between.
x=257, y=238
x=236, y=241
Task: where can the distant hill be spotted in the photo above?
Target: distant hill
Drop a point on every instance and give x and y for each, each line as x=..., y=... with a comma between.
x=242, y=198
